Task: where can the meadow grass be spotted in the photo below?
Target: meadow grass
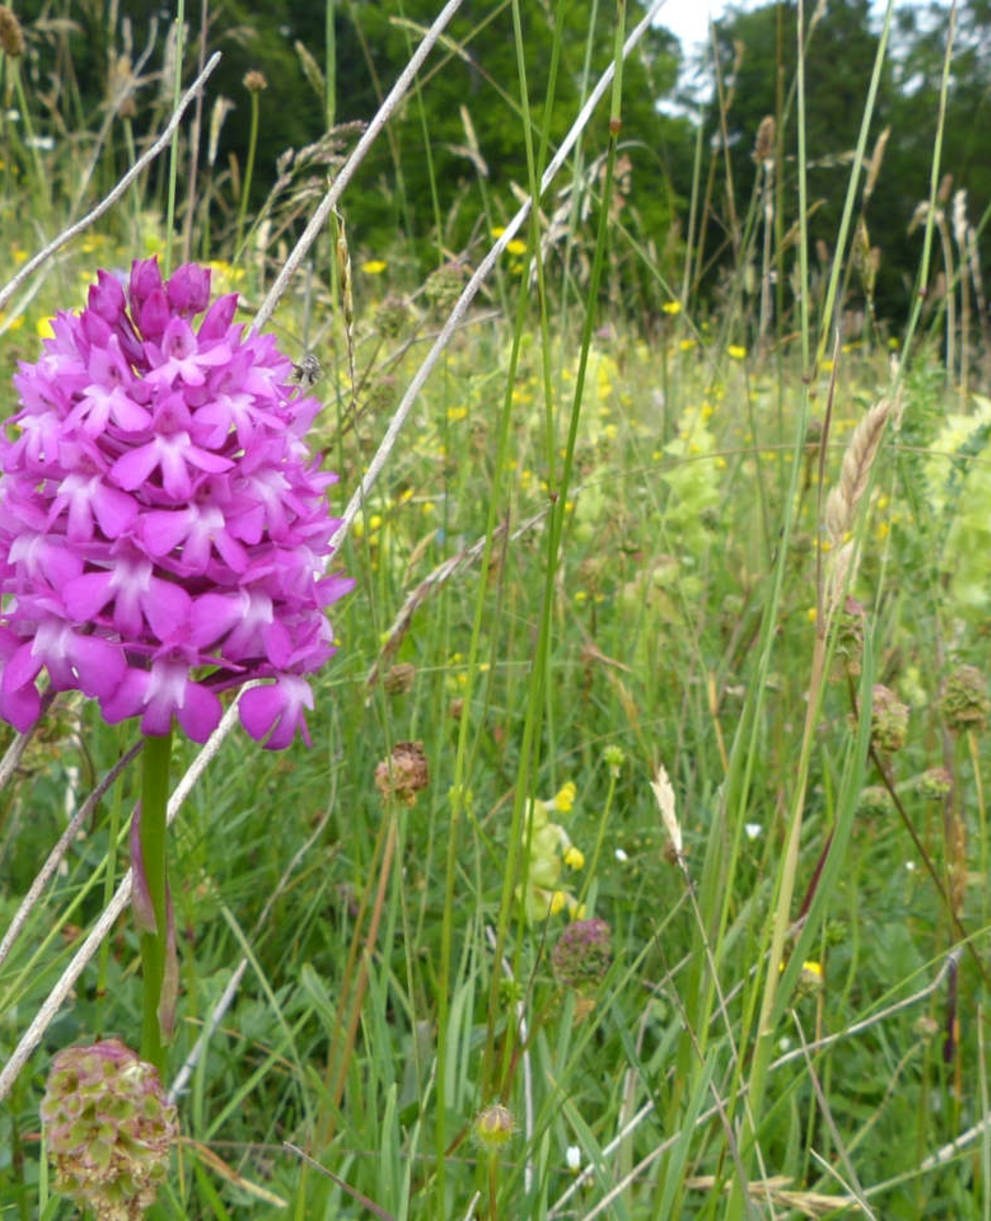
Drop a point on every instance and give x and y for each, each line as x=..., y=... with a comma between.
x=656, y=582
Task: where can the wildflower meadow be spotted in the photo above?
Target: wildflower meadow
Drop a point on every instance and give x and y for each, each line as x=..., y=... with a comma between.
x=494, y=590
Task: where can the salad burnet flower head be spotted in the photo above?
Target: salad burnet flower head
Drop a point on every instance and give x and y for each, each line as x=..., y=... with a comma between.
x=164, y=529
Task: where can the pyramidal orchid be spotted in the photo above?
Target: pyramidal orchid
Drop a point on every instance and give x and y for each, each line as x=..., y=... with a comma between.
x=164, y=530
x=164, y=535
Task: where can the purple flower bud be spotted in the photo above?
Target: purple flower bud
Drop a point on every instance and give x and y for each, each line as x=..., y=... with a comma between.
x=164, y=529
x=188, y=291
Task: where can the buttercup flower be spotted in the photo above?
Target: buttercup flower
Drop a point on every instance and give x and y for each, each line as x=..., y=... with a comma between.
x=164, y=530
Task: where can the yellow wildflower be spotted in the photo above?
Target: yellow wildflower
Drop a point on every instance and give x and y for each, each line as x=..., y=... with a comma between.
x=736, y=352
x=574, y=858
x=564, y=799
x=686, y=345
x=374, y=267
x=671, y=307
x=43, y=328
x=516, y=246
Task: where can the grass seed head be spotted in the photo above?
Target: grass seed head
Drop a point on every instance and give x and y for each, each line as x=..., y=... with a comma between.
x=764, y=145
x=11, y=34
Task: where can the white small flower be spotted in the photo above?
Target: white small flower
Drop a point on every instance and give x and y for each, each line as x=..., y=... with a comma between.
x=573, y=1157
x=752, y=829
x=45, y=143
x=910, y=866
x=784, y=1043
x=621, y=856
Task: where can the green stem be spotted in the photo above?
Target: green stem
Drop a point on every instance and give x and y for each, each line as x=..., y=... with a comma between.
x=154, y=797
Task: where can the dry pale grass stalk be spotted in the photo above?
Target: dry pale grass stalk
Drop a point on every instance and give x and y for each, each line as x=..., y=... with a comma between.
x=481, y=273
x=777, y=1188
x=329, y=202
x=227, y=996
x=122, y=895
x=435, y=580
x=47, y=871
x=15, y=751
x=118, y=191
x=797, y=1053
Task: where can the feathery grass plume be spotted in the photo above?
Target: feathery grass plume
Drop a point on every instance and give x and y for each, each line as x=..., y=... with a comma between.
x=311, y=69
x=473, y=147
x=221, y=108
x=874, y=166
x=664, y=793
x=842, y=502
x=11, y=34
x=764, y=144
x=960, y=225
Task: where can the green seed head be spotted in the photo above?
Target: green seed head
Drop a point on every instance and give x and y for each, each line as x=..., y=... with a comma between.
x=889, y=720
x=964, y=702
x=108, y=1128
x=494, y=1127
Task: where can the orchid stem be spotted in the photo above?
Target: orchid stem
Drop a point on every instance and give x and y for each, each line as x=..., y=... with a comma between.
x=154, y=796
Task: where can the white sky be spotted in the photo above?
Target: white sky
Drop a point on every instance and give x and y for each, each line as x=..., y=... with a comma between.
x=689, y=19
